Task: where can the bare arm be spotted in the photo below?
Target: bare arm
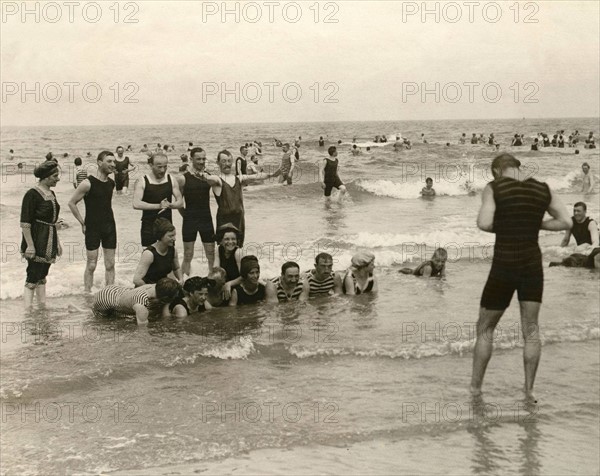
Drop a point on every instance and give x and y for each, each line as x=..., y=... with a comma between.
x=80, y=192
x=178, y=203
x=179, y=311
x=270, y=292
x=233, y=299
x=146, y=260
x=177, y=268
x=138, y=193
x=566, y=238
x=141, y=314
x=485, y=219
x=305, y=291
x=560, y=218
x=255, y=177
x=593, y=227
x=337, y=284
x=349, y=283
x=427, y=271
x=181, y=183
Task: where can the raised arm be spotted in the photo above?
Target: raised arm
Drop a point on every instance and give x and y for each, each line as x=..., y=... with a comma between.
x=270, y=292
x=560, y=218
x=485, y=219
x=256, y=177
x=80, y=192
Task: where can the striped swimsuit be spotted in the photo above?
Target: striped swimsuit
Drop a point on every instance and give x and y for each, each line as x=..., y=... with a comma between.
x=119, y=299
x=320, y=288
x=282, y=296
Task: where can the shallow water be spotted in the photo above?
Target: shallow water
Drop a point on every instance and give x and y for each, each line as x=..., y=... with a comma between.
x=365, y=384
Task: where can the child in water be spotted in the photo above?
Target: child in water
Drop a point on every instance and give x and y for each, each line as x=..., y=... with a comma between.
x=428, y=190
x=435, y=268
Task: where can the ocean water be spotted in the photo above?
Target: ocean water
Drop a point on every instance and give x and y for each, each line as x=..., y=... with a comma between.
x=365, y=384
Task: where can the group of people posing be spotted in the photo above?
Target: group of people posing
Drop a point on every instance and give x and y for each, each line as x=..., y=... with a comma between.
x=157, y=194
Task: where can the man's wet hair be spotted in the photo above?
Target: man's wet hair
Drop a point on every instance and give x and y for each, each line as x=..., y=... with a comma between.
x=503, y=162
x=428, y=179
x=287, y=265
x=156, y=155
x=324, y=256
x=582, y=205
x=195, y=150
x=196, y=283
x=332, y=149
x=224, y=151
x=105, y=153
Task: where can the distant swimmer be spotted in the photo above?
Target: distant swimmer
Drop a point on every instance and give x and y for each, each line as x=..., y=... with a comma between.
x=492, y=139
x=144, y=149
x=328, y=174
x=80, y=173
x=277, y=142
x=194, y=299
x=398, y=145
x=462, y=139
x=423, y=140
x=536, y=144
x=428, y=190
x=153, y=194
x=253, y=166
x=123, y=167
x=287, y=287
x=588, y=182
x=142, y=301
x=407, y=143
x=196, y=213
x=250, y=290
x=359, y=278
x=98, y=226
x=474, y=139
x=481, y=139
x=584, y=229
x=516, y=141
x=322, y=281
x=561, y=142
x=40, y=244
x=321, y=142
x=514, y=209
x=590, y=142
x=355, y=150
x=434, y=268
x=286, y=168
x=50, y=156
x=227, y=189
x=160, y=259
x=11, y=155
x=241, y=163
x=185, y=163
x=129, y=149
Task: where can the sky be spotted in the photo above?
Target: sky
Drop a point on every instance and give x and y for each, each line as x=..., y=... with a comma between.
x=158, y=62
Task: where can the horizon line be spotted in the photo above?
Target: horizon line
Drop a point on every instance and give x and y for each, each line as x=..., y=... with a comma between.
x=294, y=122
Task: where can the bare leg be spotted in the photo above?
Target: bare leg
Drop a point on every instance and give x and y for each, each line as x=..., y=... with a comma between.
x=109, y=266
x=488, y=319
x=90, y=267
x=342, y=192
x=28, y=297
x=532, y=350
x=188, y=255
x=209, y=251
x=40, y=294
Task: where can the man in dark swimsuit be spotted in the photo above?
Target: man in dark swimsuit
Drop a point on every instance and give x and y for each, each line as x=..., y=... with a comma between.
x=227, y=188
x=197, y=217
x=513, y=209
x=328, y=174
x=99, y=224
x=584, y=229
x=152, y=194
x=241, y=163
